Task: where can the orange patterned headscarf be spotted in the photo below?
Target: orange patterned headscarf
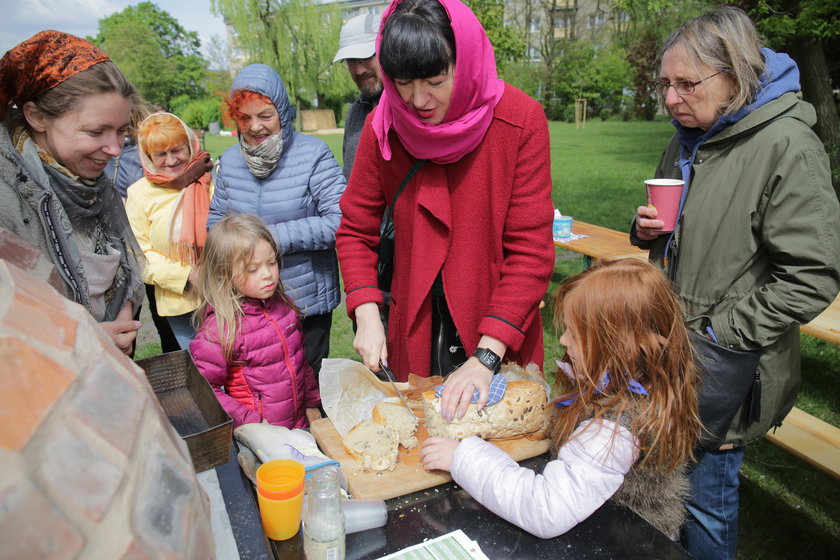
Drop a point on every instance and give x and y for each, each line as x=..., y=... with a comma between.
x=40, y=63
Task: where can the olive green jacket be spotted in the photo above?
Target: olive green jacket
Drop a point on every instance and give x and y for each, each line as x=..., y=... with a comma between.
x=758, y=244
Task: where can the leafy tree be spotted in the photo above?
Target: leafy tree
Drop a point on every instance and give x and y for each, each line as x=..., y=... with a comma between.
x=508, y=41
x=218, y=54
x=541, y=74
x=298, y=38
x=200, y=113
x=649, y=23
x=807, y=29
x=157, y=55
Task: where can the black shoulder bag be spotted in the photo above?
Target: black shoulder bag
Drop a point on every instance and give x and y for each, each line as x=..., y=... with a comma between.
x=730, y=380
x=385, y=266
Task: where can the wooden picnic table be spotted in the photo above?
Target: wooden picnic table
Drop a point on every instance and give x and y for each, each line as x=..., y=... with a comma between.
x=601, y=243
x=809, y=438
x=827, y=325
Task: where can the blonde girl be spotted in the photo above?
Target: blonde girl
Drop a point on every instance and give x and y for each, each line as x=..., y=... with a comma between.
x=626, y=420
x=249, y=341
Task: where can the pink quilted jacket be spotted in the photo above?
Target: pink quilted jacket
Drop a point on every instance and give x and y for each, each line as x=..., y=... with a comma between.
x=268, y=376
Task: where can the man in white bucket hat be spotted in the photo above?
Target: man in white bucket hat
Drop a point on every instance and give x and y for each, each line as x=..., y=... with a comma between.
x=357, y=49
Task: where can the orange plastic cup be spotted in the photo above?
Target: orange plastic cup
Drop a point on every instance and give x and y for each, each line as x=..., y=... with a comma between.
x=280, y=495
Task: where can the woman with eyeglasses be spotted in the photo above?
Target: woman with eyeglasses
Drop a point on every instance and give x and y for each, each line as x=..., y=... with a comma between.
x=756, y=250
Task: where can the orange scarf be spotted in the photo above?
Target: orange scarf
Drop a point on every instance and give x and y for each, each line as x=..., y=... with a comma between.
x=188, y=226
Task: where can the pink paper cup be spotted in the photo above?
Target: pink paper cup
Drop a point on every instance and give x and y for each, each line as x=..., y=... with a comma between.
x=664, y=195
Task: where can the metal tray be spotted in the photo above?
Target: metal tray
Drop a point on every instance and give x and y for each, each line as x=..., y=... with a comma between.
x=191, y=406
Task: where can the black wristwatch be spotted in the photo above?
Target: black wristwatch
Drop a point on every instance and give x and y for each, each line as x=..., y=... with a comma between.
x=488, y=359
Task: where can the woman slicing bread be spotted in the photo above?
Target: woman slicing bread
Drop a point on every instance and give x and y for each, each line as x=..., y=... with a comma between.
x=473, y=251
x=626, y=421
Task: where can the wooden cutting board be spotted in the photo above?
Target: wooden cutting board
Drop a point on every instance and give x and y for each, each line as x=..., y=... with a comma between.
x=409, y=475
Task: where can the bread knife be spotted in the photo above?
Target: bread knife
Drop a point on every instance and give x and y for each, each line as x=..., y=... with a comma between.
x=391, y=379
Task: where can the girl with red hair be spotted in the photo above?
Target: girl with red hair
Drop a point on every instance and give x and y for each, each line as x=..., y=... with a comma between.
x=625, y=424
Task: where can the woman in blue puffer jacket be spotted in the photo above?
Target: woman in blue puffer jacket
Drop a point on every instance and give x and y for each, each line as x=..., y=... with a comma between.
x=291, y=181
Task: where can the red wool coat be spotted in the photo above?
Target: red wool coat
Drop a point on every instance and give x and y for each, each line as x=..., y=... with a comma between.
x=484, y=221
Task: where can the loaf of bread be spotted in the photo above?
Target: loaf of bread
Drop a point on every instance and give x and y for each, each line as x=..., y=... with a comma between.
x=522, y=411
x=373, y=445
x=397, y=416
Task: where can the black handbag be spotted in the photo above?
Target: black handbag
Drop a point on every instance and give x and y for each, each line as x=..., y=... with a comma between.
x=385, y=265
x=730, y=379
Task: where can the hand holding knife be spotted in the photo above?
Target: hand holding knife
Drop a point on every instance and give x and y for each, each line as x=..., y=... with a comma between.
x=391, y=379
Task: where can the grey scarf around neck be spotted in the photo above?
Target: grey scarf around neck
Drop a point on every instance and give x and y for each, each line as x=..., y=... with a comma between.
x=262, y=158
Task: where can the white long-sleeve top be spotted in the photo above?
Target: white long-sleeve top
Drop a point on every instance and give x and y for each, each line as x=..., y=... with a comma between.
x=588, y=470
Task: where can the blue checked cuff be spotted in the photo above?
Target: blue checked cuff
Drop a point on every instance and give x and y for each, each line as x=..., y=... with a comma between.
x=498, y=385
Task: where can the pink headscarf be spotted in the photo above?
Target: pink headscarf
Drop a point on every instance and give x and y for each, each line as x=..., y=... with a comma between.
x=475, y=94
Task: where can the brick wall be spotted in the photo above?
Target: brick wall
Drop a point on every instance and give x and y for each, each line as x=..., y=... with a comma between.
x=89, y=465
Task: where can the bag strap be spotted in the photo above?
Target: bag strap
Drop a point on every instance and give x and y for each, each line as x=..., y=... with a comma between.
x=417, y=165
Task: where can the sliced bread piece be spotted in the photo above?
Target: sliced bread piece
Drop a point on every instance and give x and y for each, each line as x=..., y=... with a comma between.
x=397, y=416
x=373, y=445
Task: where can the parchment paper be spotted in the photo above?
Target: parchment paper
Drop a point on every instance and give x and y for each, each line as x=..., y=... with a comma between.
x=349, y=391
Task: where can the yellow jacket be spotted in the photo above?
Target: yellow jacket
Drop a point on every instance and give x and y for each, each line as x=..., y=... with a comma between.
x=149, y=208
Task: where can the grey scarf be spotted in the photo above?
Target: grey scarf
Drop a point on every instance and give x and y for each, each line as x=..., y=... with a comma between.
x=98, y=220
x=262, y=158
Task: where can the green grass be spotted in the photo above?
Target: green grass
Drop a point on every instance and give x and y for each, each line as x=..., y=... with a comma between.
x=788, y=509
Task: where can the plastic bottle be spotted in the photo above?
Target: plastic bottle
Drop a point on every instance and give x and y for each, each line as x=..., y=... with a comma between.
x=323, y=522
x=562, y=230
x=558, y=225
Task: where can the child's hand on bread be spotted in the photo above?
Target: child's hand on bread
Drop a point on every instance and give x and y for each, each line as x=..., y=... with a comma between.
x=437, y=453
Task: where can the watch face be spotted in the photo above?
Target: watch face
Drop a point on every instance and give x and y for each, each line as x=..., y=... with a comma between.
x=490, y=359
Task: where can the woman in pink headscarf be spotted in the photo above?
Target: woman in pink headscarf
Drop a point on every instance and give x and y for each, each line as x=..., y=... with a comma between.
x=473, y=250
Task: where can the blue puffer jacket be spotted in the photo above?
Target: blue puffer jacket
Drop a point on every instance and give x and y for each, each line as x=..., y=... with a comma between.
x=298, y=200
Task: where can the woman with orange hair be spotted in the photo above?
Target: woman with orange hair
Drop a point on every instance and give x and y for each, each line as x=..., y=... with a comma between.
x=65, y=108
x=293, y=183
x=168, y=211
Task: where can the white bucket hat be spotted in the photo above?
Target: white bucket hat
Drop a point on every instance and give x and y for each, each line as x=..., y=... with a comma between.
x=358, y=38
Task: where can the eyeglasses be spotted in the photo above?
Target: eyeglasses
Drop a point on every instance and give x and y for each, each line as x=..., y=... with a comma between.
x=682, y=87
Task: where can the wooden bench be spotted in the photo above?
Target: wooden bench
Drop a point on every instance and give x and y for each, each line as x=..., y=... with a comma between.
x=804, y=436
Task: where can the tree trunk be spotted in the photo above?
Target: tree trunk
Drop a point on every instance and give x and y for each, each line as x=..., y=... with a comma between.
x=816, y=89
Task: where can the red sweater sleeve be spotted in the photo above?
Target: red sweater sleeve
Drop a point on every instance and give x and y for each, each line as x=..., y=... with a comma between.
x=527, y=245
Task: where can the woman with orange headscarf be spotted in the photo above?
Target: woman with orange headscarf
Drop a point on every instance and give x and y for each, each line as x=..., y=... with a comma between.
x=168, y=210
x=65, y=108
